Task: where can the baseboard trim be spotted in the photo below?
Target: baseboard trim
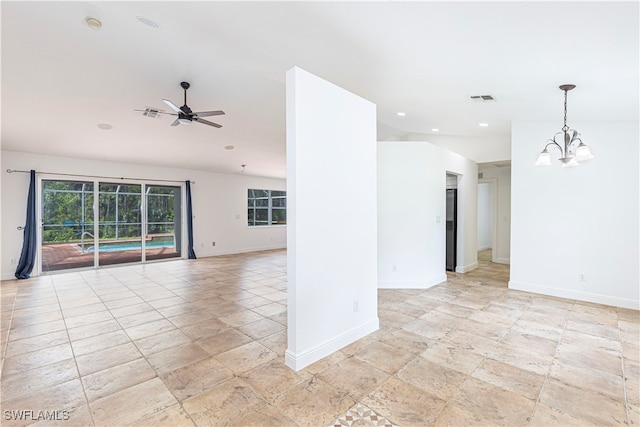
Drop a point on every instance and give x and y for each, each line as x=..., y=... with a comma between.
x=239, y=251
x=575, y=295
x=502, y=261
x=467, y=268
x=412, y=284
x=300, y=360
x=9, y=276
x=483, y=248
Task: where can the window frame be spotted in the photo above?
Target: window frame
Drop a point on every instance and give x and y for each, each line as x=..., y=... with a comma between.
x=252, y=220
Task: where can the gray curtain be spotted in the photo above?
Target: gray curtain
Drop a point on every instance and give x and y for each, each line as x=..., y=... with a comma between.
x=190, y=252
x=28, y=254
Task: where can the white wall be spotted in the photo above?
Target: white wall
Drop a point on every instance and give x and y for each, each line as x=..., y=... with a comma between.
x=572, y=221
x=485, y=216
x=411, y=213
x=219, y=203
x=501, y=176
x=332, y=239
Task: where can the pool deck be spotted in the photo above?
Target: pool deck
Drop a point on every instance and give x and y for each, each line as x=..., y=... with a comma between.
x=65, y=256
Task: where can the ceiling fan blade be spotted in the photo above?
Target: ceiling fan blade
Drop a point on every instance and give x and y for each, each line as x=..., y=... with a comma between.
x=176, y=122
x=173, y=106
x=207, y=122
x=208, y=113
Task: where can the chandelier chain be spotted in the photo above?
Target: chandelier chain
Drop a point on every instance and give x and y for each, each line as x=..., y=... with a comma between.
x=565, y=128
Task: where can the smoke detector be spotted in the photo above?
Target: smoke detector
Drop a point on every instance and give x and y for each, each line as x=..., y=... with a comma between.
x=93, y=23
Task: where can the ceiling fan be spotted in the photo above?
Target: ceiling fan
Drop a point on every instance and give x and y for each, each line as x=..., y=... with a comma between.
x=184, y=113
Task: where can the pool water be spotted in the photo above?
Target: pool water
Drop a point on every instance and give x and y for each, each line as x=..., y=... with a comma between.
x=130, y=246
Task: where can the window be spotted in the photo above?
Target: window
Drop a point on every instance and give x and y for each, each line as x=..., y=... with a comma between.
x=266, y=207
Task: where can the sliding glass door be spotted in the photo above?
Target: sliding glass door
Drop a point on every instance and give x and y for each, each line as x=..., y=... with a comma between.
x=126, y=227
x=163, y=236
x=119, y=223
x=67, y=225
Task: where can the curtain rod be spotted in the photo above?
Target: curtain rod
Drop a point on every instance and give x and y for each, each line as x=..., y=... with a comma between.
x=97, y=176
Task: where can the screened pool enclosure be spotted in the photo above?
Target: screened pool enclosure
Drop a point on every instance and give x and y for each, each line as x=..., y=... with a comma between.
x=92, y=223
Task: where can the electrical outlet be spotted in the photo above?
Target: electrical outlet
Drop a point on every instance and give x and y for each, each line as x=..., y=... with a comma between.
x=356, y=306
x=202, y=245
x=213, y=243
x=581, y=277
x=394, y=268
x=13, y=261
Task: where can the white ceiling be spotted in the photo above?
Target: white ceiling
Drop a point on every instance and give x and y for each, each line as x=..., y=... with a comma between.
x=61, y=78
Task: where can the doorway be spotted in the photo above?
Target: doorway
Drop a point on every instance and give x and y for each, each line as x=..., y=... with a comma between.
x=487, y=220
x=451, y=216
x=93, y=224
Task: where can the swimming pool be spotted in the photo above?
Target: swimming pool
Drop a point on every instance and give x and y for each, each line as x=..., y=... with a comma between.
x=129, y=246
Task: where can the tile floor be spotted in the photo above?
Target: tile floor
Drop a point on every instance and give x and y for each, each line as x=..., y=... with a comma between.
x=202, y=343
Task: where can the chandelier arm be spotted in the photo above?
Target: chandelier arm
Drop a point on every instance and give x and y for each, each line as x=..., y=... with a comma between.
x=574, y=134
x=554, y=143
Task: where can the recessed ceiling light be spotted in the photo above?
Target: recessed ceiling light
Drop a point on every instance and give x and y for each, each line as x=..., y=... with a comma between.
x=229, y=147
x=93, y=23
x=435, y=130
x=148, y=22
x=104, y=126
x=483, y=125
x=401, y=114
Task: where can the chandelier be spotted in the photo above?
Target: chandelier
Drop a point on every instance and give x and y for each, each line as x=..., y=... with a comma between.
x=572, y=149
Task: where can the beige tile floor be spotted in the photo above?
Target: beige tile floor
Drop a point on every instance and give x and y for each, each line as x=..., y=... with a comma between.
x=202, y=343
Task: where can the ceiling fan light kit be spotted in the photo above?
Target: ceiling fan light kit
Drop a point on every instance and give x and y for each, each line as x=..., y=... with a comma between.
x=185, y=116
x=572, y=149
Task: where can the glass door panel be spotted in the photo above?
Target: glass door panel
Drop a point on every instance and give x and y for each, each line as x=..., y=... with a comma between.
x=163, y=237
x=119, y=223
x=67, y=225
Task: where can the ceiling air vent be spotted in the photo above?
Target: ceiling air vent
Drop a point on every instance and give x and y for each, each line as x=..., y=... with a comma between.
x=152, y=113
x=482, y=98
